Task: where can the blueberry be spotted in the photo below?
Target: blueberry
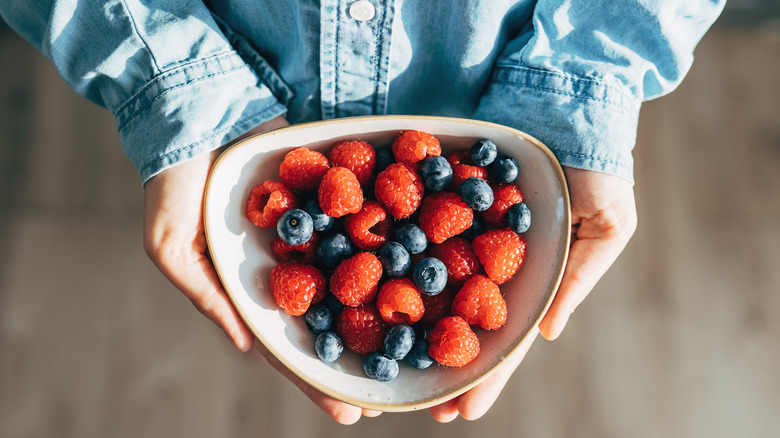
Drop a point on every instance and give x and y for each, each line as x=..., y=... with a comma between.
x=411, y=237
x=333, y=304
x=476, y=193
x=518, y=217
x=478, y=226
x=430, y=275
x=483, y=153
x=380, y=367
x=295, y=226
x=328, y=346
x=322, y=222
x=419, y=357
x=421, y=331
x=436, y=173
x=334, y=249
x=395, y=259
x=398, y=341
x=384, y=158
x=318, y=318
x=504, y=170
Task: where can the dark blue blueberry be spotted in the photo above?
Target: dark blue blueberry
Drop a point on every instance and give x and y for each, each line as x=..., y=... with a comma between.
x=384, y=158
x=504, y=170
x=411, y=237
x=436, y=173
x=318, y=318
x=478, y=226
x=476, y=193
x=333, y=304
x=380, y=367
x=328, y=346
x=430, y=275
x=398, y=341
x=395, y=259
x=334, y=249
x=322, y=222
x=483, y=153
x=421, y=331
x=295, y=226
x=518, y=217
x=419, y=357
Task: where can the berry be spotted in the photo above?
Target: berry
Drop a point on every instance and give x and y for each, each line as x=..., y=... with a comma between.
x=430, y=275
x=478, y=226
x=459, y=258
x=436, y=173
x=328, y=346
x=504, y=196
x=418, y=357
x=399, y=340
x=462, y=171
x=452, y=342
x=411, y=237
x=399, y=302
x=361, y=328
x=267, y=202
x=437, y=307
x=483, y=152
x=303, y=168
x=443, y=215
x=400, y=189
x=412, y=147
x=395, y=259
x=480, y=302
x=384, y=158
x=476, y=193
x=294, y=285
x=380, y=367
x=501, y=253
x=518, y=217
x=504, y=170
x=322, y=222
x=304, y=253
x=370, y=227
x=318, y=318
x=460, y=156
x=355, y=280
x=357, y=156
x=333, y=250
x=295, y=227
x=339, y=192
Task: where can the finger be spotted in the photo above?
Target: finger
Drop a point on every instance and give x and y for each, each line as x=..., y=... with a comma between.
x=371, y=414
x=445, y=412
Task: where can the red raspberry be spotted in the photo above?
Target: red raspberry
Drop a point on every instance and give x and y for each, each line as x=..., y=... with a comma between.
x=361, y=328
x=357, y=156
x=458, y=257
x=437, y=306
x=267, y=202
x=303, y=168
x=399, y=301
x=400, y=189
x=355, y=280
x=304, y=253
x=504, y=196
x=501, y=252
x=462, y=171
x=412, y=147
x=452, y=342
x=370, y=227
x=339, y=193
x=443, y=215
x=460, y=156
x=480, y=302
x=294, y=286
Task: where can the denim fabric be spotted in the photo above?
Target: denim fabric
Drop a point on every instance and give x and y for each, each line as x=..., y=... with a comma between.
x=184, y=77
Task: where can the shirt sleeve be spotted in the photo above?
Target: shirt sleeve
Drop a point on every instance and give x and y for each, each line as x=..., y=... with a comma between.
x=576, y=76
x=177, y=80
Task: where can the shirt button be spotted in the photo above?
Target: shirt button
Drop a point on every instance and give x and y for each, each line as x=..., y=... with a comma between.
x=362, y=10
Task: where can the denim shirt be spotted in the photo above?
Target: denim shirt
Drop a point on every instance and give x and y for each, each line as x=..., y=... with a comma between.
x=183, y=77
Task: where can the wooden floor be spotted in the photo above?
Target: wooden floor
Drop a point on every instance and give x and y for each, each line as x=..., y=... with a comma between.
x=680, y=339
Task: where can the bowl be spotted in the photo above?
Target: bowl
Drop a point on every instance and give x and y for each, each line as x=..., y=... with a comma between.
x=241, y=253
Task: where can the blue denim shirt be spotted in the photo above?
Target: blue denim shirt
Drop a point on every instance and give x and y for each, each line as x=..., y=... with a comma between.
x=183, y=77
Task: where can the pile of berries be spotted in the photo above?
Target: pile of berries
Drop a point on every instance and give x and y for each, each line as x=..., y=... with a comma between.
x=395, y=253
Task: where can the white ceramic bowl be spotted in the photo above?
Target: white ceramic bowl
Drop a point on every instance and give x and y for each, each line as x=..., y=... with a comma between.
x=242, y=256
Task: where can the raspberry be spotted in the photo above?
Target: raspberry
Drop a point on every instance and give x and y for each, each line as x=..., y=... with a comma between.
x=339, y=192
x=294, y=285
x=462, y=171
x=267, y=202
x=501, y=252
x=443, y=215
x=399, y=301
x=436, y=306
x=370, y=227
x=303, y=168
x=452, y=342
x=361, y=328
x=458, y=257
x=480, y=302
x=504, y=196
x=412, y=147
x=357, y=156
x=304, y=253
x=399, y=189
x=459, y=157
x=355, y=280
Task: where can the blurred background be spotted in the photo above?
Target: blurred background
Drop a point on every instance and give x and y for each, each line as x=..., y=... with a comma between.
x=680, y=339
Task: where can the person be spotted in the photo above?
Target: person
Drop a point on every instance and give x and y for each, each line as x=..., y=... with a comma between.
x=186, y=79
